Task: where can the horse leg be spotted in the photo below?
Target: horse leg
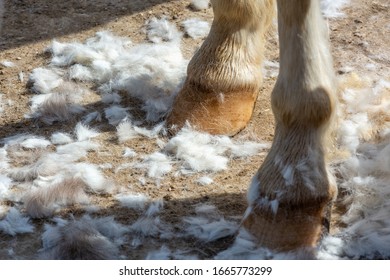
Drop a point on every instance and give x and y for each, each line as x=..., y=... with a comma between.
x=289, y=194
x=224, y=75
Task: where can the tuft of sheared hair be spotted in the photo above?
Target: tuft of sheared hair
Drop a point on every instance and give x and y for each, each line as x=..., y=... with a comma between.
x=199, y=5
x=83, y=132
x=362, y=174
x=93, y=116
x=129, y=153
x=203, y=152
x=84, y=239
x=270, y=69
x=4, y=165
x=7, y=63
x=5, y=184
x=150, y=225
x=204, y=181
x=111, y=98
x=152, y=73
x=15, y=223
x=55, y=107
x=44, y=80
x=92, y=177
x=331, y=8
x=132, y=201
x=43, y=201
x=103, y=47
x=161, y=30
x=60, y=138
x=156, y=164
x=208, y=225
x=196, y=28
x=35, y=143
x=197, y=150
x=56, y=99
x=127, y=131
x=164, y=253
x=115, y=114
x=46, y=165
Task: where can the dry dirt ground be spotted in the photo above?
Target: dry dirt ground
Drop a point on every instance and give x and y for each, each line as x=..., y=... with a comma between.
x=30, y=26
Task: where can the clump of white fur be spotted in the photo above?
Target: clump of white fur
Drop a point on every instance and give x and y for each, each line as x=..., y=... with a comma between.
x=126, y=130
x=156, y=164
x=331, y=8
x=53, y=180
x=43, y=201
x=199, y=5
x=196, y=28
x=56, y=100
x=204, y=152
x=150, y=225
x=208, y=225
x=363, y=177
x=132, y=201
x=5, y=184
x=152, y=73
x=115, y=114
x=45, y=80
x=160, y=30
x=15, y=223
x=84, y=132
x=35, y=143
x=84, y=239
x=164, y=253
x=60, y=138
x=7, y=63
x=204, y=181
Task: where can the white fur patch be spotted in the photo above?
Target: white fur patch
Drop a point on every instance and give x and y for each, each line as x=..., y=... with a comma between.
x=115, y=114
x=160, y=30
x=87, y=238
x=204, y=181
x=84, y=132
x=8, y=64
x=196, y=28
x=199, y=5
x=43, y=201
x=156, y=164
x=150, y=225
x=164, y=253
x=127, y=131
x=14, y=223
x=132, y=201
x=5, y=184
x=129, y=153
x=60, y=138
x=331, y=8
x=35, y=143
x=208, y=225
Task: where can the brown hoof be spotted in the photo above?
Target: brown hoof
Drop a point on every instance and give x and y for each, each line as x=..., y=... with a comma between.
x=290, y=228
x=212, y=112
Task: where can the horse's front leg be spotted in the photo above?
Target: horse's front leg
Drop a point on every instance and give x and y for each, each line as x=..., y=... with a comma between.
x=224, y=76
x=290, y=193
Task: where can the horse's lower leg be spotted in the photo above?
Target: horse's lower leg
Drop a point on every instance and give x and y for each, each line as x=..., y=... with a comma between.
x=289, y=194
x=224, y=76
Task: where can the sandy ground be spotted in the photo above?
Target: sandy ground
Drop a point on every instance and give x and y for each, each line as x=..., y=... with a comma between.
x=359, y=38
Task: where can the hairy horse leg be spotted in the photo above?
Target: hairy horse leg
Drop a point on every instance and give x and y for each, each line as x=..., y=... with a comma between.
x=289, y=194
x=224, y=76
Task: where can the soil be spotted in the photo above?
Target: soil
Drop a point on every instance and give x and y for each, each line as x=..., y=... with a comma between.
x=359, y=38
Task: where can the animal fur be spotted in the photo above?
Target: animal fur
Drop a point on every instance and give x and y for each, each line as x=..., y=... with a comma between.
x=83, y=239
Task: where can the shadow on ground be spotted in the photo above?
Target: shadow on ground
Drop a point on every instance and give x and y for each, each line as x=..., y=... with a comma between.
x=27, y=21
